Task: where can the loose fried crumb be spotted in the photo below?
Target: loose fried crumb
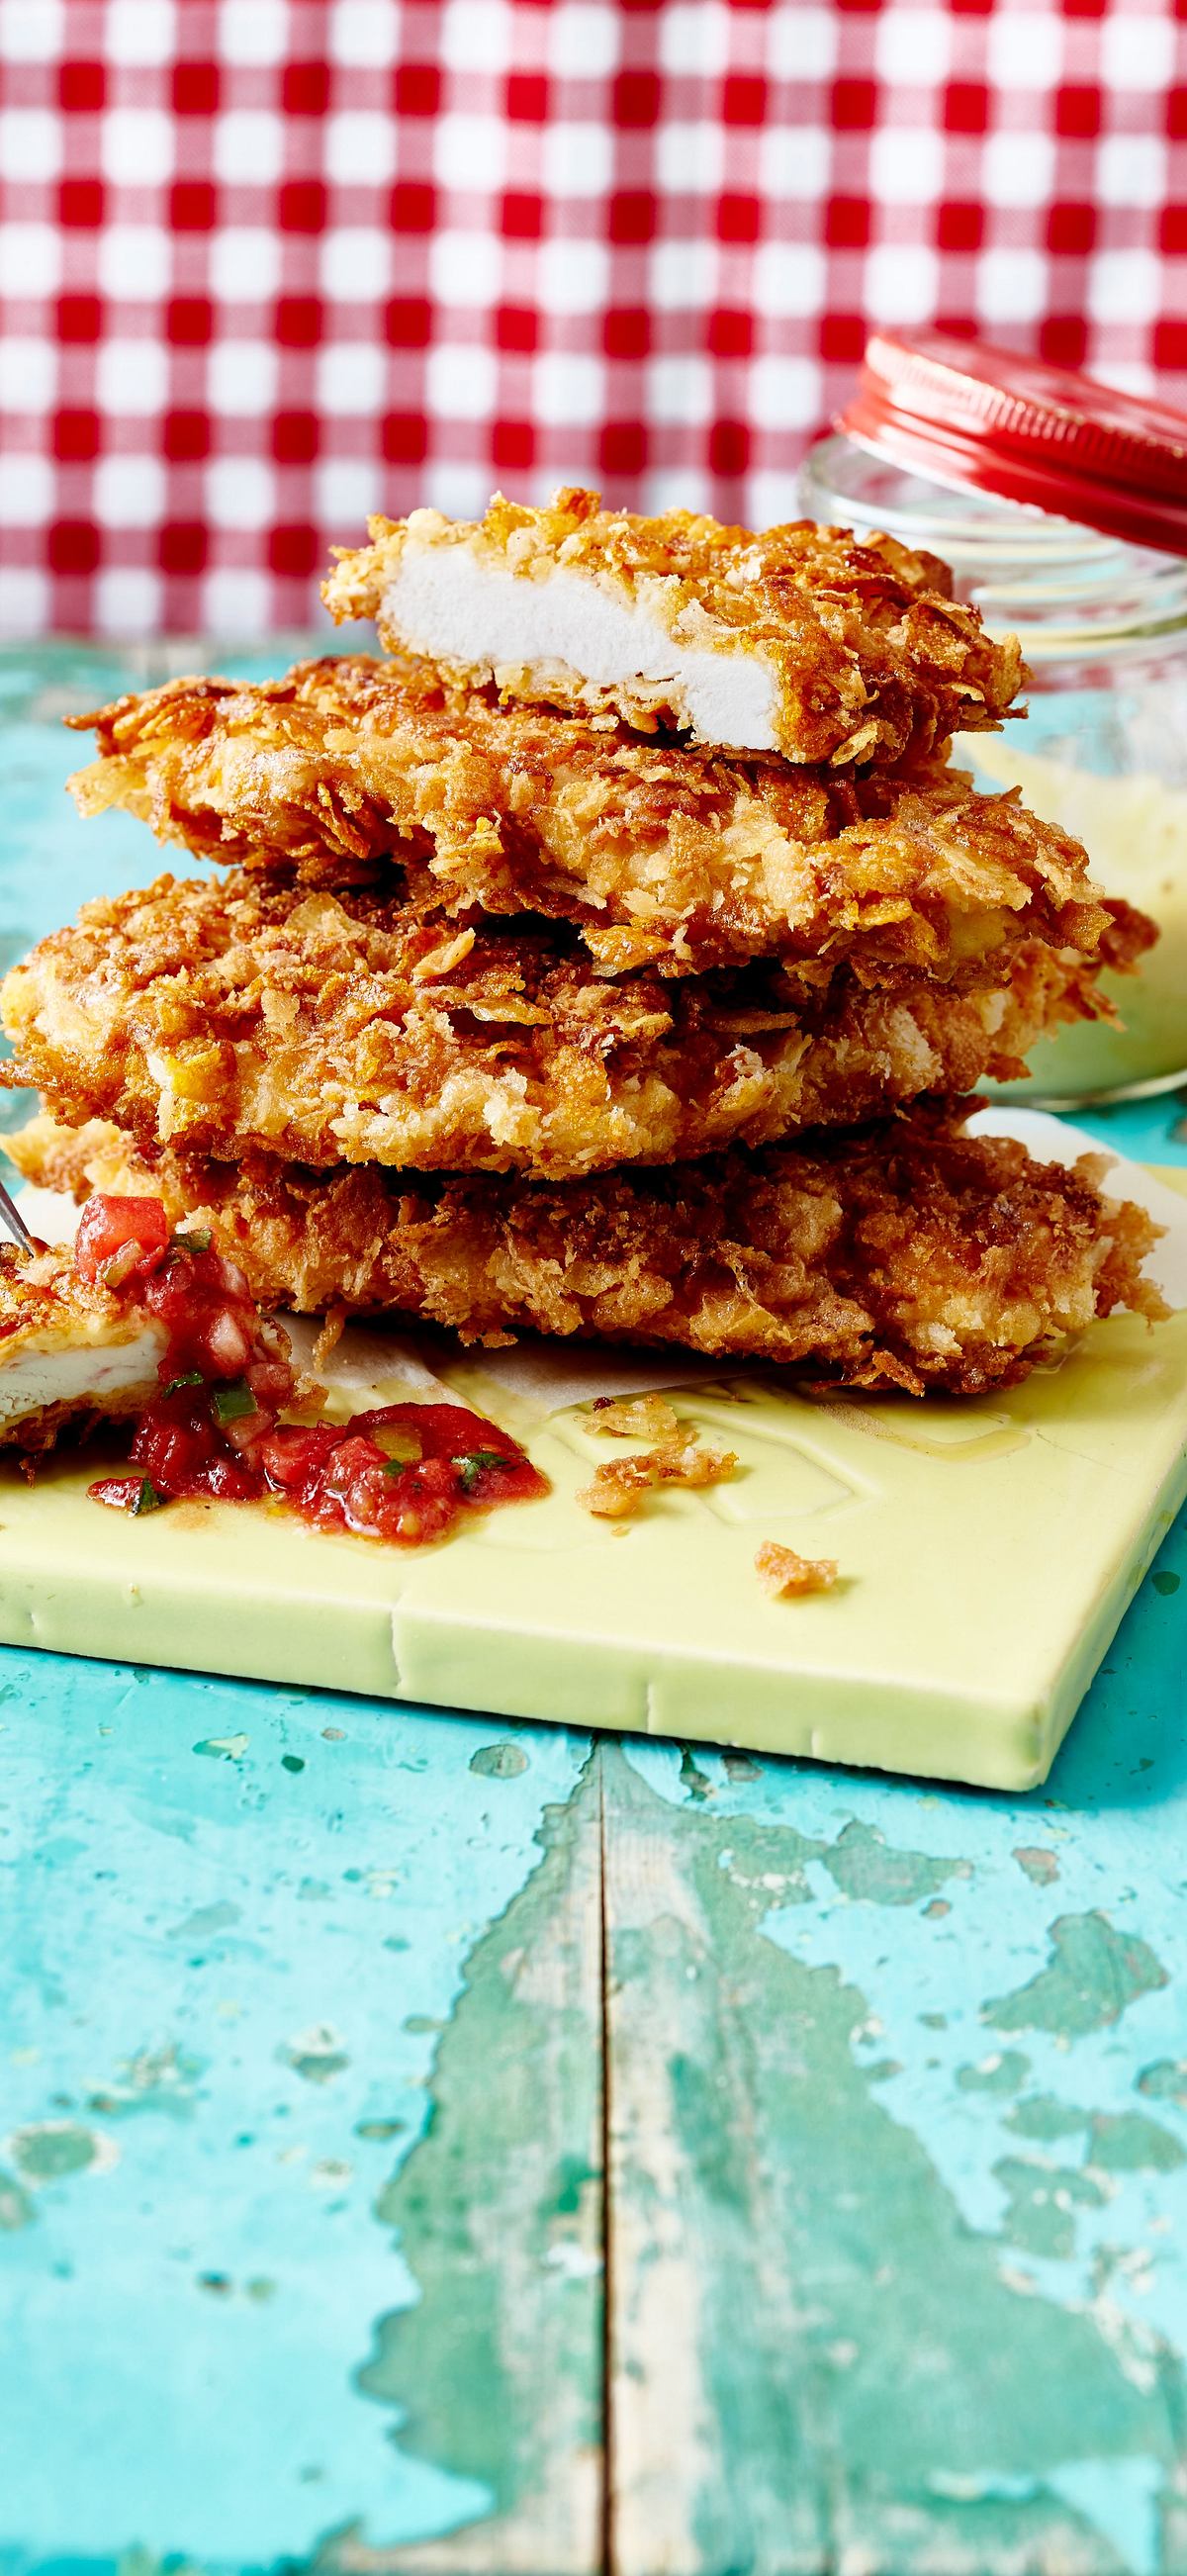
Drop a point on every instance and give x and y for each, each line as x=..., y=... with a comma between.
x=785, y=1575
x=635, y=1417
x=619, y=1485
x=333, y=1328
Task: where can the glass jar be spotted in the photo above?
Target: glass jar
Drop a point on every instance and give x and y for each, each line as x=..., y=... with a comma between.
x=1103, y=748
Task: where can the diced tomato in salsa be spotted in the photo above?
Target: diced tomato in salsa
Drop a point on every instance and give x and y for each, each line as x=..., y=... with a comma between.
x=402, y=1472
x=491, y=1466
x=182, y=1450
x=343, y=1478
x=111, y=1227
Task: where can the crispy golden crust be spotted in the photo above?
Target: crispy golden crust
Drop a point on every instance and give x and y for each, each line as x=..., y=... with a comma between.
x=42, y=1293
x=228, y=1015
x=870, y=656
x=659, y=854
x=34, y=1433
x=92, y=1156
x=911, y=1255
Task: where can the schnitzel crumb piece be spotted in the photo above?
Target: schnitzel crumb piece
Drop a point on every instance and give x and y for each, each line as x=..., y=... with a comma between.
x=334, y=1324
x=785, y=1575
x=619, y=1484
x=635, y=1417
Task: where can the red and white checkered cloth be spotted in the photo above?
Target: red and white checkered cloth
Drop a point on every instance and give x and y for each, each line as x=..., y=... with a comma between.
x=270, y=264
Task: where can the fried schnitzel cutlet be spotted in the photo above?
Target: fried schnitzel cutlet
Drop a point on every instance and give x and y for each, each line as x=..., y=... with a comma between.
x=656, y=852
x=92, y=1332
x=70, y=1350
x=911, y=1255
x=228, y=1014
x=799, y=640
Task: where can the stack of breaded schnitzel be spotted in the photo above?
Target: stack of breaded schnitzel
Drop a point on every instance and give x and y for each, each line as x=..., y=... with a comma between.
x=615, y=957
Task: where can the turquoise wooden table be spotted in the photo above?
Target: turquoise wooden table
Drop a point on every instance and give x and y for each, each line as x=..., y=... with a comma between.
x=433, y=2144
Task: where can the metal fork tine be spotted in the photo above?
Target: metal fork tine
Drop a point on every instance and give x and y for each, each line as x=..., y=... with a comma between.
x=11, y=1217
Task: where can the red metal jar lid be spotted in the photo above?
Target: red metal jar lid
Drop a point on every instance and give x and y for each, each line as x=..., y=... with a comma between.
x=972, y=416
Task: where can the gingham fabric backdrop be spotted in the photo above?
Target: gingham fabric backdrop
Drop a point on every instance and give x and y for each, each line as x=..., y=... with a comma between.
x=270, y=264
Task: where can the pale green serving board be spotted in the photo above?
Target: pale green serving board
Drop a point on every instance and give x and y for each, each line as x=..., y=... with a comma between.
x=987, y=1550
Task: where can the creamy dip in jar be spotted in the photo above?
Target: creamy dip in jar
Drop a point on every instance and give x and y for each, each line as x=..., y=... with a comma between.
x=1062, y=509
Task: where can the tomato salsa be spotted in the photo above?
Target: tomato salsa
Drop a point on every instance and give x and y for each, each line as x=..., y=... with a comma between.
x=401, y=1472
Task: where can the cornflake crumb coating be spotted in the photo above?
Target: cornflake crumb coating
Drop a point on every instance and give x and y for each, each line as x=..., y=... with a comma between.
x=869, y=657
x=912, y=1255
x=228, y=1014
x=659, y=854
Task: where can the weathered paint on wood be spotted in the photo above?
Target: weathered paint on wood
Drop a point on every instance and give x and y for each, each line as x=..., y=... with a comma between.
x=285, y=2056
x=897, y=2176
